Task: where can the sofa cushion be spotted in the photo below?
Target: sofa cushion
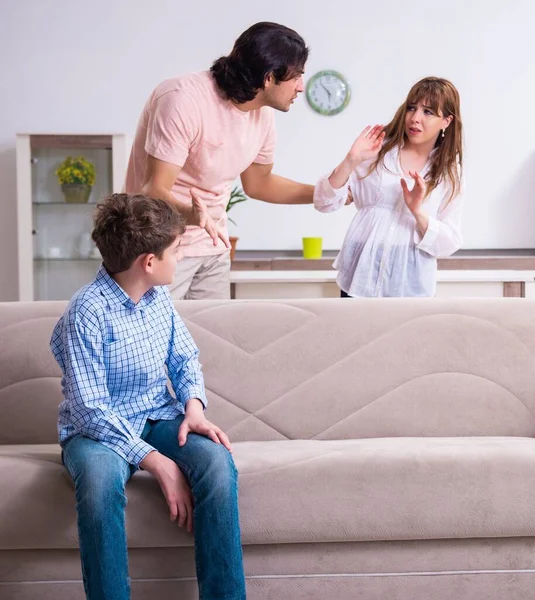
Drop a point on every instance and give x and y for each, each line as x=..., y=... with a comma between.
x=305, y=491
x=317, y=369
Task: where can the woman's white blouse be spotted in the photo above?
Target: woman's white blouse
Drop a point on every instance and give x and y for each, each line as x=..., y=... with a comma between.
x=383, y=254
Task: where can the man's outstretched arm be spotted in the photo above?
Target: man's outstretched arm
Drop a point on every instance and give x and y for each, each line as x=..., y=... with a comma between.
x=259, y=182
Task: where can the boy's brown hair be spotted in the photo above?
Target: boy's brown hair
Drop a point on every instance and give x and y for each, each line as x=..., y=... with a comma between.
x=126, y=227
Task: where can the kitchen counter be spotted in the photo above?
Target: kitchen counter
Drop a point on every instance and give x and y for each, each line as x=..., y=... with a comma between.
x=292, y=260
x=491, y=273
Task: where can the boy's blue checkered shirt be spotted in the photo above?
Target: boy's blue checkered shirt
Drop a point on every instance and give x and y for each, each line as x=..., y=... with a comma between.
x=113, y=355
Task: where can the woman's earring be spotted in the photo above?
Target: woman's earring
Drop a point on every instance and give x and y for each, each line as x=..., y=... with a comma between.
x=443, y=132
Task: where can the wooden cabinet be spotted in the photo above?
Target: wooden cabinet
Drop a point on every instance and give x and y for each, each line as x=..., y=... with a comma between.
x=322, y=284
x=55, y=253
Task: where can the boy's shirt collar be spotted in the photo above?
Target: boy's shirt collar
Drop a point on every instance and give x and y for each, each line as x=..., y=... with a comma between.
x=115, y=294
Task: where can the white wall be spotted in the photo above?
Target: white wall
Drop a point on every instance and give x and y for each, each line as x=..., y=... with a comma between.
x=69, y=67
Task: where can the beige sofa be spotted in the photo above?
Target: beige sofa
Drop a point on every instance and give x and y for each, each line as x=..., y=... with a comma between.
x=384, y=446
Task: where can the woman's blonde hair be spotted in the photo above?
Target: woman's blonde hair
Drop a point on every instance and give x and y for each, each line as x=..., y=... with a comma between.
x=447, y=161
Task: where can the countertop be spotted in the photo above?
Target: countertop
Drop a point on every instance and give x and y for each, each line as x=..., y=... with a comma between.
x=474, y=260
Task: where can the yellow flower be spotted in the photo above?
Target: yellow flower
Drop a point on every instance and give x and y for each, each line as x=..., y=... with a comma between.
x=77, y=170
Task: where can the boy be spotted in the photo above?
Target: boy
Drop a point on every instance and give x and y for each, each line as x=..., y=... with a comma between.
x=113, y=344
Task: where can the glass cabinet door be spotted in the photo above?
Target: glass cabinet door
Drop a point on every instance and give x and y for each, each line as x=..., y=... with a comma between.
x=63, y=256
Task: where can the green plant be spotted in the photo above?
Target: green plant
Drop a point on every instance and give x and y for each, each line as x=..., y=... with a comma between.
x=237, y=195
x=76, y=171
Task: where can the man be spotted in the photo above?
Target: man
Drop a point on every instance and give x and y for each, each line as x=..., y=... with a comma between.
x=199, y=132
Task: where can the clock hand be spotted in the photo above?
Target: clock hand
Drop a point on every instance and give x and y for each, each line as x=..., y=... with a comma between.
x=326, y=89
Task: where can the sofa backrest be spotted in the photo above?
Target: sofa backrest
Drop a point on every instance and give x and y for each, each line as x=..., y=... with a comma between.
x=317, y=369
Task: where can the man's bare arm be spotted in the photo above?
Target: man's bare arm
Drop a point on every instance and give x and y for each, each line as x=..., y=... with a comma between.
x=160, y=177
x=259, y=182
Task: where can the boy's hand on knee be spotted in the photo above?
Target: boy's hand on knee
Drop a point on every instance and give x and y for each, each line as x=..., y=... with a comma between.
x=196, y=422
x=174, y=486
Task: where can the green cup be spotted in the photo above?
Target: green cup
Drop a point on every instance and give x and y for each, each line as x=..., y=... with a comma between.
x=312, y=247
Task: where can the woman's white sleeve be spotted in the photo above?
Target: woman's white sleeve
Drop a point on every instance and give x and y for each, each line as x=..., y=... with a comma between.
x=444, y=236
x=328, y=199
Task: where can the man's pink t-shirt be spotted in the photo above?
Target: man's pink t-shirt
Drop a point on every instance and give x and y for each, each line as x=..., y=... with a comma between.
x=187, y=123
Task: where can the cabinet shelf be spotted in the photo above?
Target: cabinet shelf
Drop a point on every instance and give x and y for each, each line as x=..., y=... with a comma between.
x=93, y=204
x=66, y=259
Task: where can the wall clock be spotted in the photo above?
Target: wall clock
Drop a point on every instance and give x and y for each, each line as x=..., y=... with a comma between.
x=328, y=92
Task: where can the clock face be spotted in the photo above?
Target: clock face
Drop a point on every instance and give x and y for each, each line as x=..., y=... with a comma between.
x=328, y=92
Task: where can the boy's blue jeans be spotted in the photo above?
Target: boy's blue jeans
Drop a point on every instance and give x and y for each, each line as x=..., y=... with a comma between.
x=100, y=476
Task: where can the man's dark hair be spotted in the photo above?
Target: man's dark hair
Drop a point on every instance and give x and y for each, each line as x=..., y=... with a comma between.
x=126, y=227
x=264, y=49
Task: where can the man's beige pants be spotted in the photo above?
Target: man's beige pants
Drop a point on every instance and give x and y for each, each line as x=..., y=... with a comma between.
x=202, y=278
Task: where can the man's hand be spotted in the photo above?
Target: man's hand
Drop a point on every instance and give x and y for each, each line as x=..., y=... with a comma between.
x=200, y=217
x=174, y=486
x=196, y=422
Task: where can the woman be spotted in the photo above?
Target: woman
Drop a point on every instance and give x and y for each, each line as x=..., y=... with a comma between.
x=394, y=240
